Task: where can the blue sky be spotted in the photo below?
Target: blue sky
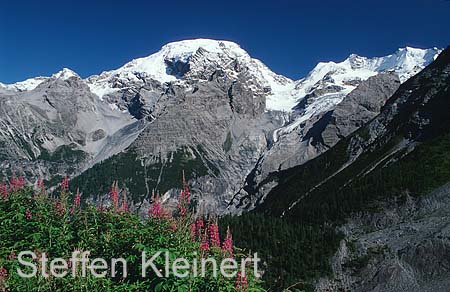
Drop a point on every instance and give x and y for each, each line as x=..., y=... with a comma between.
x=41, y=37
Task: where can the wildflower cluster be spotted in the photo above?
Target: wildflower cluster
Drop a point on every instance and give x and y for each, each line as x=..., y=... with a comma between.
x=209, y=236
x=114, y=195
x=60, y=224
x=16, y=184
x=156, y=210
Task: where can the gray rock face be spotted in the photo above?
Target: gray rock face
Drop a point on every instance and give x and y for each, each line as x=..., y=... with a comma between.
x=357, y=108
x=404, y=248
x=60, y=117
x=223, y=122
x=323, y=131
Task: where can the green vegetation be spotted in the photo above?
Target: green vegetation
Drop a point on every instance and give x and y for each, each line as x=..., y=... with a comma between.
x=64, y=153
x=141, y=175
x=33, y=222
x=417, y=173
x=293, y=253
x=124, y=167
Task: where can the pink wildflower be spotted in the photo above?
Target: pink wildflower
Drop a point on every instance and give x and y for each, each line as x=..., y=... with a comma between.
x=214, y=236
x=185, y=198
x=76, y=202
x=227, y=245
x=3, y=274
x=204, y=245
x=59, y=208
x=200, y=224
x=193, y=230
x=41, y=186
x=17, y=183
x=173, y=226
x=114, y=193
x=20, y=182
x=65, y=184
x=125, y=203
x=28, y=214
x=12, y=255
x=241, y=282
x=156, y=210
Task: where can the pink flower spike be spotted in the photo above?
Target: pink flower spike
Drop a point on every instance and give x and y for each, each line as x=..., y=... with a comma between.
x=227, y=245
x=114, y=193
x=200, y=224
x=59, y=208
x=125, y=203
x=214, y=234
x=17, y=183
x=184, y=199
x=76, y=202
x=193, y=230
x=156, y=210
x=241, y=282
x=41, y=186
x=65, y=184
x=204, y=245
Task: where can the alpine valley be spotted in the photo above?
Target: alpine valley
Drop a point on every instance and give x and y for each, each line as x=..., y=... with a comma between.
x=338, y=179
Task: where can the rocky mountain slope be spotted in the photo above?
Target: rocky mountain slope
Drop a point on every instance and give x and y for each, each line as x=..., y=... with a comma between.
x=54, y=128
x=375, y=184
x=201, y=105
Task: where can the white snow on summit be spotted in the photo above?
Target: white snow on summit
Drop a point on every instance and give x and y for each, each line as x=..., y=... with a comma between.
x=25, y=85
x=330, y=82
x=283, y=94
x=155, y=67
x=65, y=74
x=406, y=62
x=32, y=83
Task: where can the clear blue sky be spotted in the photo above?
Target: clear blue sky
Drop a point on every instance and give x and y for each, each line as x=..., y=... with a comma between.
x=41, y=37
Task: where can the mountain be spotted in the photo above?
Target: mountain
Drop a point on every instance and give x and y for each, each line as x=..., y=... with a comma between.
x=383, y=189
x=55, y=127
x=204, y=106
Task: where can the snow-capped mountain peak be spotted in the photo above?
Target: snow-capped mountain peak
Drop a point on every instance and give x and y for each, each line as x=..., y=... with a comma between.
x=177, y=58
x=329, y=81
x=155, y=65
x=32, y=83
x=25, y=85
x=64, y=74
